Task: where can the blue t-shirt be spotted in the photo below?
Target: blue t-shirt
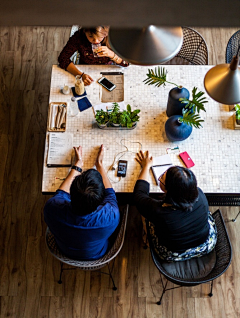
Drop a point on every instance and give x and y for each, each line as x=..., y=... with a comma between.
x=82, y=237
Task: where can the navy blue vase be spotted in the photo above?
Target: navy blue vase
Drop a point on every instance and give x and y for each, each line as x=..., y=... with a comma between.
x=174, y=106
x=175, y=130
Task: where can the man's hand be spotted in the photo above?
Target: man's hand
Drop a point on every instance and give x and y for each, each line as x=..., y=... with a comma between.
x=78, y=156
x=99, y=159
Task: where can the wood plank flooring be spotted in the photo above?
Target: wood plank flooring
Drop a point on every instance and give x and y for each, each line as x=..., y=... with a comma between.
x=28, y=273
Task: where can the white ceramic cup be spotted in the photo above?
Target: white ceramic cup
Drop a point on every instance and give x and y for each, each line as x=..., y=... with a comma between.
x=66, y=90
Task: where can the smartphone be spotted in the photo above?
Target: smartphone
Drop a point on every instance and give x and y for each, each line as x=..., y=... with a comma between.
x=186, y=159
x=122, y=168
x=106, y=83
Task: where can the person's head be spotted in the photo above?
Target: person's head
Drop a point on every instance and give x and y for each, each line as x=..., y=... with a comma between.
x=87, y=192
x=180, y=185
x=97, y=34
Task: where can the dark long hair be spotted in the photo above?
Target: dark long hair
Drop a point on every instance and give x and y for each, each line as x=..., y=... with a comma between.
x=181, y=186
x=99, y=31
x=87, y=192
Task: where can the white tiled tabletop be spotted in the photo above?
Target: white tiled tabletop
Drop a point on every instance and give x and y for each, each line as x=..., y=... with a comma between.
x=215, y=148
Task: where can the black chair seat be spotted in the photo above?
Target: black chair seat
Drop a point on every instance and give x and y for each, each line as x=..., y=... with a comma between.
x=194, y=268
x=197, y=270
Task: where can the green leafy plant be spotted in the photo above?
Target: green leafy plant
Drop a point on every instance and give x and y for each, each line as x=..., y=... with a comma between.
x=159, y=78
x=125, y=118
x=197, y=102
x=102, y=117
x=237, y=110
x=114, y=115
x=191, y=119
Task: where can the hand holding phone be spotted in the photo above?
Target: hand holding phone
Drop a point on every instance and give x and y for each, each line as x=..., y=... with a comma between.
x=186, y=159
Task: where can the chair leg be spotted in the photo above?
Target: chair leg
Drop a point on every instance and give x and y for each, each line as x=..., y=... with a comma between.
x=61, y=271
x=235, y=219
x=163, y=292
x=110, y=273
x=211, y=289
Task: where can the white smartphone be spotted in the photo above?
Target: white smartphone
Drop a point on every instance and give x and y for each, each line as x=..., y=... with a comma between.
x=106, y=83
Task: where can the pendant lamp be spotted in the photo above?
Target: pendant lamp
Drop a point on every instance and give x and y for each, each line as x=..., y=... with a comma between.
x=222, y=82
x=147, y=46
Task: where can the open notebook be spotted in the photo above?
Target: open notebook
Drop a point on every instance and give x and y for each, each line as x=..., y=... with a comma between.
x=160, y=165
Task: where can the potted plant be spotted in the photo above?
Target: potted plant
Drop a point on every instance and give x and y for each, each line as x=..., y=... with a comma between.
x=159, y=78
x=176, y=126
x=237, y=114
x=102, y=118
x=128, y=118
x=114, y=115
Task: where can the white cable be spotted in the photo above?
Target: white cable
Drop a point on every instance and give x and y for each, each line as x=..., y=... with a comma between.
x=122, y=153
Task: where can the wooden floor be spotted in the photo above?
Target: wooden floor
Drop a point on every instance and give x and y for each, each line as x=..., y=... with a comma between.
x=28, y=273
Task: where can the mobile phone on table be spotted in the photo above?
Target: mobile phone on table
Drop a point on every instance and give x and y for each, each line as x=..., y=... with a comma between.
x=122, y=168
x=186, y=159
x=106, y=83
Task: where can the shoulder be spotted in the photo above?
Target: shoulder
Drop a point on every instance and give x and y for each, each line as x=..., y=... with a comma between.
x=61, y=198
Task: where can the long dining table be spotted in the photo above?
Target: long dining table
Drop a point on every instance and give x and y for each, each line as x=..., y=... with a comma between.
x=214, y=148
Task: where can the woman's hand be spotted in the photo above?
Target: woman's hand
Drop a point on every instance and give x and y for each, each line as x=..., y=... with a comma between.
x=78, y=156
x=145, y=160
x=87, y=80
x=105, y=51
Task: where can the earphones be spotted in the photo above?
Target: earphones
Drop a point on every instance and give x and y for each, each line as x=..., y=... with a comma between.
x=119, y=155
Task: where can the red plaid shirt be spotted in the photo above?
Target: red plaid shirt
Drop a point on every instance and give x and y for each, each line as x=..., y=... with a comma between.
x=79, y=42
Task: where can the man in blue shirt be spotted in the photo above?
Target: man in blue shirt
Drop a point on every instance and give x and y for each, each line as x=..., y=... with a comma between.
x=83, y=213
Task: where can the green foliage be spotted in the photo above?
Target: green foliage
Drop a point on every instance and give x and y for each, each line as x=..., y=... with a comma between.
x=191, y=119
x=237, y=109
x=125, y=118
x=197, y=102
x=157, y=77
x=102, y=117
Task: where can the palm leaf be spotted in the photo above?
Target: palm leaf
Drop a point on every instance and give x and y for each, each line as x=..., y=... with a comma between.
x=191, y=119
x=197, y=102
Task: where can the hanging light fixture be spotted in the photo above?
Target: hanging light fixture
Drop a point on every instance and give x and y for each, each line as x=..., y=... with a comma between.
x=222, y=82
x=147, y=46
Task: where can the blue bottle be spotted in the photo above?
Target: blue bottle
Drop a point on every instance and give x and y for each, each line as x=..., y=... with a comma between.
x=175, y=130
x=174, y=106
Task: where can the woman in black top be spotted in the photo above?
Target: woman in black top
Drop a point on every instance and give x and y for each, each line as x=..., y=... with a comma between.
x=181, y=224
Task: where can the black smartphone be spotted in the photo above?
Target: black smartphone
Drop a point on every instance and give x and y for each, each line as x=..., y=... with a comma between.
x=106, y=83
x=122, y=168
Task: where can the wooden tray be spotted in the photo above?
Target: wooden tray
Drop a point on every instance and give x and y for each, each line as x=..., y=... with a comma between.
x=52, y=111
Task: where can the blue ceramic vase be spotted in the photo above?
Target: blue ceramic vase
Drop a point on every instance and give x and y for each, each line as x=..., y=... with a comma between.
x=175, y=130
x=174, y=106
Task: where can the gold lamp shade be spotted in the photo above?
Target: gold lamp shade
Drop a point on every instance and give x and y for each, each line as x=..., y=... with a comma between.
x=222, y=82
x=147, y=46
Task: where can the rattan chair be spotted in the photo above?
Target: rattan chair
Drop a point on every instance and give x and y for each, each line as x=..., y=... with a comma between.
x=232, y=47
x=194, y=49
x=94, y=264
x=199, y=270
x=76, y=55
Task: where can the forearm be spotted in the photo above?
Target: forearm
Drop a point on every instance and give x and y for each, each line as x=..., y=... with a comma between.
x=102, y=171
x=73, y=69
x=144, y=174
x=65, y=186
